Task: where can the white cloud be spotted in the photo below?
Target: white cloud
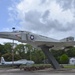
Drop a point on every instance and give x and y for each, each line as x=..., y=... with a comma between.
x=66, y=4
x=2, y=41
x=46, y=17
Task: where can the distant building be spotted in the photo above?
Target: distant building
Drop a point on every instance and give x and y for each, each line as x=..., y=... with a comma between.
x=72, y=61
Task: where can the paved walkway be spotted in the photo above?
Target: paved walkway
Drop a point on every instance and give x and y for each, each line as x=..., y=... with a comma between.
x=8, y=71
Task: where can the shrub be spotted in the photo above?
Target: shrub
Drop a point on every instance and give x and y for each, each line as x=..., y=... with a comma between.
x=64, y=59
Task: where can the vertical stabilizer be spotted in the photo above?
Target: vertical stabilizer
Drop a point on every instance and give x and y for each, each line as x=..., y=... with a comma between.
x=2, y=60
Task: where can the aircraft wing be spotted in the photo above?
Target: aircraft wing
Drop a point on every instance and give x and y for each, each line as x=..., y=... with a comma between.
x=56, y=45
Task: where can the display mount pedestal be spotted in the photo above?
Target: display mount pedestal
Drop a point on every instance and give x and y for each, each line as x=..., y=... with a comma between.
x=50, y=57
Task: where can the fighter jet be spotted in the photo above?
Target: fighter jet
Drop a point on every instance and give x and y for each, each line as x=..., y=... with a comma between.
x=42, y=42
x=16, y=63
x=38, y=40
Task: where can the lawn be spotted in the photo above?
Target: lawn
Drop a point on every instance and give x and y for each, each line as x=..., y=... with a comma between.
x=69, y=66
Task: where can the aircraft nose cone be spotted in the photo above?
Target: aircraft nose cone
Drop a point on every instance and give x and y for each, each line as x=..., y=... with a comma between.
x=6, y=35
x=3, y=34
x=10, y=35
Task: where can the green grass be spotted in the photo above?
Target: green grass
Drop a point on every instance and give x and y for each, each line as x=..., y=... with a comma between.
x=69, y=66
x=65, y=66
x=6, y=67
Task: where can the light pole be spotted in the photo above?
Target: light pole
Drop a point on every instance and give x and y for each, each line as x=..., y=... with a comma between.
x=13, y=49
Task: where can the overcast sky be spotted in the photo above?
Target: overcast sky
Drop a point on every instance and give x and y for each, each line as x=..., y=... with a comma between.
x=52, y=18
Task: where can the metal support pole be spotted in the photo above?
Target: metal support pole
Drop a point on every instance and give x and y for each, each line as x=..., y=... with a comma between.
x=13, y=49
x=50, y=57
x=13, y=54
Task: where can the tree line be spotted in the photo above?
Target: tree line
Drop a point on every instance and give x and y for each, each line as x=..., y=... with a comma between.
x=26, y=51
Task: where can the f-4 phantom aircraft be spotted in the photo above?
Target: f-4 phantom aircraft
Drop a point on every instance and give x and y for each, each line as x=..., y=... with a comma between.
x=16, y=63
x=39, y=41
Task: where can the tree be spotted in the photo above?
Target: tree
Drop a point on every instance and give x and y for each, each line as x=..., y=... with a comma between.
x=8, y=47
x=8, y=57
x=20, y=50
x=29, y=49
x=37, y=56
x=57, y=53
x=2, y=50
x=64, y=59
x=71, y=52
x=8, y=54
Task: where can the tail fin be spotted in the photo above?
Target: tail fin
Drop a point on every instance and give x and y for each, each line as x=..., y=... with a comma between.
x=68, y=39
x=2, y=60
